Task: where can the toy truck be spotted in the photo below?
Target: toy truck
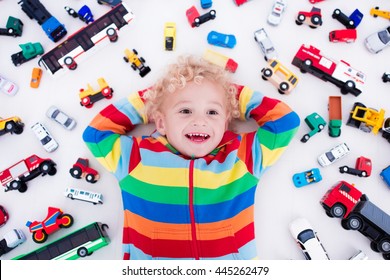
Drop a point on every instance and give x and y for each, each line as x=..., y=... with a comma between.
x=316, y=124
x=350, y=22
x=363, y=167
x=366, y=119
x=11, y=240
x=345, y=201
x=312, y=18
x=11, y=125
x=81, y=169
x=16, y=176
x=89, y=96
x=335, y=116
x=29, y=51
x=52, y=27
x=280, y=76
x=310, y=59
x=14, y=27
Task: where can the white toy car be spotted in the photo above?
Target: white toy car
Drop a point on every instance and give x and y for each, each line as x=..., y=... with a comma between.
x=275, y=17
x=11, y=240
x=8, y=87
x=266, y=46
x=44, y=136
x=307, y=240
x=60, y=117
x=378, y=41
x=83, y=195
x=333, y=155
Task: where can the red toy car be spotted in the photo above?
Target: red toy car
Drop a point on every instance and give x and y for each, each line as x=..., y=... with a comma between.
x=81, y=169
x=3, y=216
x=54, y=220
x=343, y=35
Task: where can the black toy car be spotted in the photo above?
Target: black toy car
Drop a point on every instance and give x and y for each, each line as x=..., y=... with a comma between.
x=205, y=17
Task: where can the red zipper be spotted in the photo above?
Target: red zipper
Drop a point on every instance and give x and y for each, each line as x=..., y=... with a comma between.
x=192, y=214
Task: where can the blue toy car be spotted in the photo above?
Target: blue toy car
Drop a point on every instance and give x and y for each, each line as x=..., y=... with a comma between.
x=221, y=40
x=85, y=14
x=385, y=175
x=206, y=3
x=307, y=177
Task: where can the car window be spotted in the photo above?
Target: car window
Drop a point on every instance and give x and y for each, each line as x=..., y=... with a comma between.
x=46, y=140
x=384, y=36
x=330, y=156
x=306, y=235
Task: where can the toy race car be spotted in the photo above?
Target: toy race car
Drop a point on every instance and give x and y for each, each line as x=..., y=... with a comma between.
x=136, y=62
x=307, y=177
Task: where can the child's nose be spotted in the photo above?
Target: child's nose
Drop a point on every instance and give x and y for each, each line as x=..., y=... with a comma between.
x=199, y=121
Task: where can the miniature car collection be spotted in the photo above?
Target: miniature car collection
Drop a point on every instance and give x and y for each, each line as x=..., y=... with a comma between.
x=221, y=40
x=44, y=137
x=89, y=96
x=137, y=63
x=281, y=77
x=265, y=44
x=81, y=169
x=8, y=87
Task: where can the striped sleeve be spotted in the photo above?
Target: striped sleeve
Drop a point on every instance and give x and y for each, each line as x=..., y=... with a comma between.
x=278, y=124
x=106, y=135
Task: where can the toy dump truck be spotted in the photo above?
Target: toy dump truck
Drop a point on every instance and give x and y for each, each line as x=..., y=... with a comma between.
x=14, y=27
x=29, y=51
x=366, y=119
x=335, y=116
x=316, y=124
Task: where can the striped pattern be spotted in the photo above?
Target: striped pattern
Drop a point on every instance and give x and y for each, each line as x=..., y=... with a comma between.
x=176, y=207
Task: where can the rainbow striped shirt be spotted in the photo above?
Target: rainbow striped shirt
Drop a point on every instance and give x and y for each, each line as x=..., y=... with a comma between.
x=182, y=208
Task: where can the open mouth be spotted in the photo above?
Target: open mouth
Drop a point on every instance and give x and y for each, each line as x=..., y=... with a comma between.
x=197, y=137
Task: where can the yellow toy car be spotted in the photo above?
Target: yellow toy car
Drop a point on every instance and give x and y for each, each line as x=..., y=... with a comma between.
x=282, y=78
x=375, y=12
x=136, y=62
x=89, y=96
x=170, y=36
x=11, y=125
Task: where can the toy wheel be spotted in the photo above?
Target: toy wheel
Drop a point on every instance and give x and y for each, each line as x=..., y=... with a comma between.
x=15, y=185
x=351, y=23
x=301, y=18
x=374, y=246
x=336, y=13
x=320, y=127
x=283, y=87
x=75, y=172
x=305, y=138
x=100, y=2
x=337, y=210
x=52, y=171
x=316, y=20
x=10, y=126
x=134, y=67
x=344, y=224
x=40, y=237
x=126, y=59
x=90, y=178
x=354, y=223
x=213, y=13
x=23, y=187
x=363, y=174
x=267, y=72
x=45, y=167
x=386, y=256
x=86, y=101
x=66, y=220
x=112, y=35
x=10, y=31
x=70, y=63
x=384, y=245
x=18, y=129
x=298, y=22
x=142, y=59
x=365, y=128
x=344, y=169
x=135, y=52
x=70, y=196
x=82, y=252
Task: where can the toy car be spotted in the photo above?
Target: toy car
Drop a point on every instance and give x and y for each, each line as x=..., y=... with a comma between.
x=44, y=136
x=307, y=177
x=54, y=220
x=192, y=13
x=8, y=87
x=60, y=117
x=170, y=36
x=312, y=18
x=281, y=77
x=204, y=18
x=385, y=175
x=11, y=240
x=3, y=216
x=240, y=2
x=13, y=28
x=89, y=96
x=315, y=1
x=205, y=4
x=11, y=125
x=111, y=3
x=136, y=62
x=221, y=40
x=85, y=13
x=366, y=119
x=265, y=44
x=350, y=22
x=83, y=195
x=221, y=60
x=36, y=76
x=278, y=9
x=363, y=167
x=307, y=240
x=343, y=35
x=386, y=77
x=359, y=255
x=376, y=12
x=376, y=42
x=29, y=51
x=81, y=169
x=316, y=124
x=333, y=154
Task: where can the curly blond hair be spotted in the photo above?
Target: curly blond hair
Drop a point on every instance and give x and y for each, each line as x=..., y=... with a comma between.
x=190, y=69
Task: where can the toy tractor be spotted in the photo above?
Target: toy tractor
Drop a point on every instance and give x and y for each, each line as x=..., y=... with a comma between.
x=81, y=169
x=366, y=119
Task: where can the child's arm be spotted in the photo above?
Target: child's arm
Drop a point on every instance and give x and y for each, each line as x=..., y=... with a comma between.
x=277, y=122
x=106, y=134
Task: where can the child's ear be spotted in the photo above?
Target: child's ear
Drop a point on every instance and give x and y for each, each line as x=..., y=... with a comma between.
x=159, y=122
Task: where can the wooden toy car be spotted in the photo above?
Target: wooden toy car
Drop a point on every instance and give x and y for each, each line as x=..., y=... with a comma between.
x=195, y=19
x=14, y=27
x=376, y=12
x=36, y=76
x=350, y=22
x=333, y=154
x=137, y=63
x=89, y=96
x=169, y=36
x=316, y=123
x=81, y=169
x=307, y=177
x=386, y=77
x=11, y=125
x=312, y=18
x=281, y=77
x=221, y=60
x=363, y=167
x=54, y=220
x=29, y=51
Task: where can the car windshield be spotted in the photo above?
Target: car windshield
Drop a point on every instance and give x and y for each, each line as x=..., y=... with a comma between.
x=46, y=140
x=330, y=156
x=384, y=36
x=306, y=235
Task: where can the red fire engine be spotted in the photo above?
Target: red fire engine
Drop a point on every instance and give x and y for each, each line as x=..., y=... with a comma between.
x=349, y=80
x=16, y=176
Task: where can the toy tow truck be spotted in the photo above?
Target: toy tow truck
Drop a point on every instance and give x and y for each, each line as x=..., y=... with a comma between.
x=363, y=167
x=89, y=96
x=29, y=51
x=81, y=169
x=11, y=125
x=14, y=27
x=316, y=124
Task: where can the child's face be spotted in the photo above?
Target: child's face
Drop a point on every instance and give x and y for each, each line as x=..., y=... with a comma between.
x=194, y=119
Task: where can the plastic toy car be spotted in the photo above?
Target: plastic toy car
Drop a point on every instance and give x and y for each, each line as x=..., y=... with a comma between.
x=333, y=155
x=8, y=87
x=192, y=13
x=136, y=62
x=36, y=76
x=378, y=41
x=316, y=123
x=81, y=169
x=343, y=35
x=3, y=216
x=54, y=220
x=11, y=125
x=265, y=44
x=240, y=2
x=89, y=96
x=281, y=77
x=385, y=175
x=312, y=18
x=44, y=136
x=307, y=240
x=83, y=195
x=85, y=13
x=366, y=119
x=29, y=51
x=350, y=22
x=60, y=117
x=307, y=177
x=11, y=240
x=111, y=3
x=170, y=36
x=278, y=9
x=205, y=4
x=221, y=60
x=376, y=12
x=195, y=19
x=13, y=28
x=363, y=167
x=221, y=40
x=386, y=77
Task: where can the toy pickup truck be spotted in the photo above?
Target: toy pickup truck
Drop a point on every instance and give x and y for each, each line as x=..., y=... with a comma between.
x=316, y=124
x=29, y=51
x=335, y=116
x=14, y=27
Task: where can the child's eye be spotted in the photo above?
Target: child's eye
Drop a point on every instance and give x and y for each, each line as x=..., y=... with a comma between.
x=212, y=112
x=185, y=111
